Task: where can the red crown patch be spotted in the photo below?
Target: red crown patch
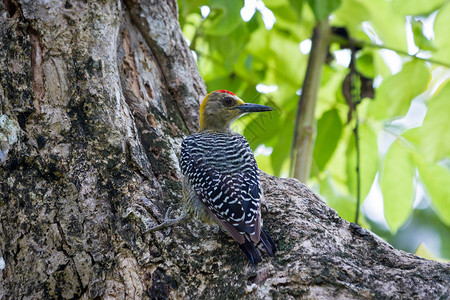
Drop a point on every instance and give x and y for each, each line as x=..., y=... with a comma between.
x=225, y=91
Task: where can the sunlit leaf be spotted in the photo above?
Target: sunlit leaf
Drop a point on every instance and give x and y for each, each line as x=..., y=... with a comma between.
x=368, y=157
x=396, y=182
x=388, y=25
x=393, y=97
x=416, y=7
x=230, y=46
x=337, y=166
x=187, y=7
x=437, y=182
x=331, y=85
x=368, y=161
x=441, y=34
x=323, y=8
x=263, y=127
x=289, y=62
x=425, y=252
x=264, y=163
x=286, y=9
x=345, y=205
x=420, y=39
x=227, y=83
x=329, y=130
x=282, y=9
x=351, y=14
x=433, y=138
x=365, y=64
x=224, y=16
x=392, y=33
x=282, y=144
x=351, y=166
x=381, y=67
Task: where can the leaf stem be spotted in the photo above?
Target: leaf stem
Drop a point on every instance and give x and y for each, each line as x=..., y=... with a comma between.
x=355, y=93
x=350, y=41
x=358, y=170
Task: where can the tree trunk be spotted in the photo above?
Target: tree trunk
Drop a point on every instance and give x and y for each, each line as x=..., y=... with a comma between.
x=96, y=97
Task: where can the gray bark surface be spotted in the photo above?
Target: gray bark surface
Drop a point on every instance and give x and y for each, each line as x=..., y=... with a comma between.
x=96, y=98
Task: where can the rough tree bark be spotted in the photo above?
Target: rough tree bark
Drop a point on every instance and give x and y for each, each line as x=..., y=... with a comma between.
x=96, y=97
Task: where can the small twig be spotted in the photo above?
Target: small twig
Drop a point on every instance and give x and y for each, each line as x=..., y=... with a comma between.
x=343, y=42
x=358, y=173
x=355, y=92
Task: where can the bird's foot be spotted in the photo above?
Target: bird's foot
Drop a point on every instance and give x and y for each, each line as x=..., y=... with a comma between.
x=168, y=222
x=264, y=206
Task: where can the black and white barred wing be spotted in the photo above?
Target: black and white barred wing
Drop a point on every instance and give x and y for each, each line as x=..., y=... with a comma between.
x=222, y=170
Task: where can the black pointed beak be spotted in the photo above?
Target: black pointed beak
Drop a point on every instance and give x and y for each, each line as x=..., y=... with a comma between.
x=250, y=107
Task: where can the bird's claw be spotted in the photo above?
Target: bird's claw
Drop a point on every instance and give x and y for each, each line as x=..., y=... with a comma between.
x=168, y=222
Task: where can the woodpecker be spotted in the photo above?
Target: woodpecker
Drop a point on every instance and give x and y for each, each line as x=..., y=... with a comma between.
x=221, y=177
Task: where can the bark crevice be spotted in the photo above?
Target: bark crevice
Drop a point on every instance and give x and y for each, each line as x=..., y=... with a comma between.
x=37, y=69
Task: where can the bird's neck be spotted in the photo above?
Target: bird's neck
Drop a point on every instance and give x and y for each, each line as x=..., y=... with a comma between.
x=213, y=125
x=218, y=129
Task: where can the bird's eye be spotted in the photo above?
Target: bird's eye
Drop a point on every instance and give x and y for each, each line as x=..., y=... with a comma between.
x=228, y=101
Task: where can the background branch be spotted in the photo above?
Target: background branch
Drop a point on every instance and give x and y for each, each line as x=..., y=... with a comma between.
x=305, y=122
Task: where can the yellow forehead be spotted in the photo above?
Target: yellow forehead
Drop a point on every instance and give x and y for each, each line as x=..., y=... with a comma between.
x=203, y=105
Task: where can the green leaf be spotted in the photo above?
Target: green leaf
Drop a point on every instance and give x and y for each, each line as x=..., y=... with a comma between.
x=393, y=97
x=353, y=13
x=186, y=7
x=368, y=166
x=425, y=252
x=351, y=166
x=288, y=11
x=441, y=34
x=323, y=8
x=345, y=205
x=337, y=166
x=227, y=82
x=433, y=138
x=368, y=157
x=420, y=39
x=331, y=85
x=365, y=64
x=437, y=181
x=287, y=59
x=230, y=47
x=297, y=6
x=283, y=144
x=262, y=127
x=224, y=16
x=264, y=163
x=416, y=7
x=329, y=130
x=396, y=182
x=350, y=15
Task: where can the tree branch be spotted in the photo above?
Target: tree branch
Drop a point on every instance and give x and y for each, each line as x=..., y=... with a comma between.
x=305, y=123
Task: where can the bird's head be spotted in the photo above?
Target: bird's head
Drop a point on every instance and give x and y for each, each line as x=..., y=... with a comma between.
x=221, y=108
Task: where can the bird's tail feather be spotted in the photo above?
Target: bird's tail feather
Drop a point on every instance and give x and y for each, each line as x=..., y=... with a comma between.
x=264, y=246
x=250, y=251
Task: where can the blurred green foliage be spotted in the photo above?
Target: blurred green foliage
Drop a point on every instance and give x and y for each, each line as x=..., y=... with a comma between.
x=254, y=56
